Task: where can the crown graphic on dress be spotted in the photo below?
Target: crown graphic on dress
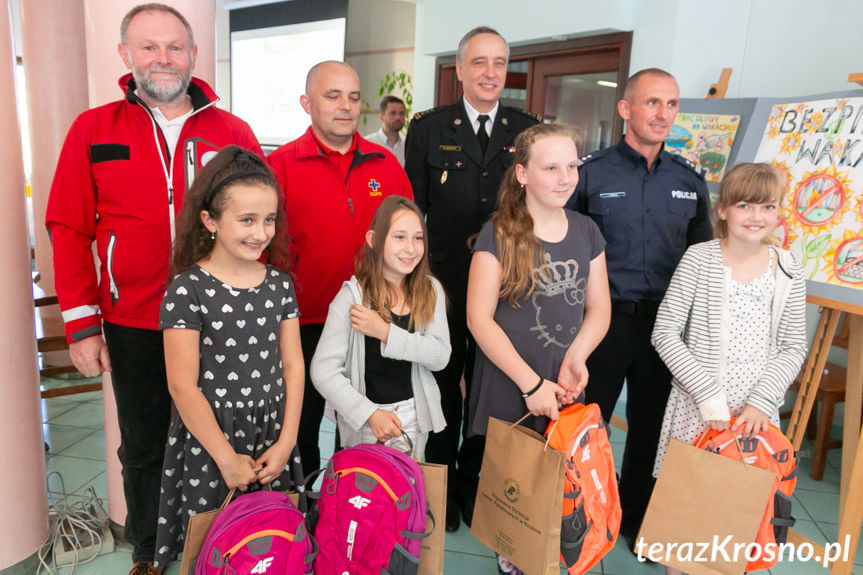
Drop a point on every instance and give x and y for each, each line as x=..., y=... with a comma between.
x=553, y=278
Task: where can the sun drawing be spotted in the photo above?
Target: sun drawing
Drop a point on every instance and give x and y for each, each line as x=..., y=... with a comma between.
x=814, y=122
x=777, y=112
x=843, y=262
x=820, y=198
x=790, y=143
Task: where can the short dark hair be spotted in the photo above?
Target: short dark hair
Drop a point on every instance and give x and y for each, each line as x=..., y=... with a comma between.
x=387, y=100
x=633, y=80
x=476, y=32
x=153, y=7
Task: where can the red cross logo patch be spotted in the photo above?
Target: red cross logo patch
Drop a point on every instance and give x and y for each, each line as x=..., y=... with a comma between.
x=374, y=187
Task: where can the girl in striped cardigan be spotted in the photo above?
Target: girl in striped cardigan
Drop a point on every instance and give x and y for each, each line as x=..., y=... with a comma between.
x=731, y=328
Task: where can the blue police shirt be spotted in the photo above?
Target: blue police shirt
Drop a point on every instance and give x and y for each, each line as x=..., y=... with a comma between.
x=648, y=218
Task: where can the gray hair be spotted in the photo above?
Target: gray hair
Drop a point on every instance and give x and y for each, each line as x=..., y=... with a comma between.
x=153, y=7
x=476, y=32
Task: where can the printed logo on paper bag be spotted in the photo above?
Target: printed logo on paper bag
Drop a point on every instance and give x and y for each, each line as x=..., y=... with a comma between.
x=511, y=490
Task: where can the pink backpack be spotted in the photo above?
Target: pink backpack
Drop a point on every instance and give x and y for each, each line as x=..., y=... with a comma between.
x=257, y=533
x=371, y=513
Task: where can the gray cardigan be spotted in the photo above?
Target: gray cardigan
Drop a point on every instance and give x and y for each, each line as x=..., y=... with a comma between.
x=690, y=339
x=338, y=366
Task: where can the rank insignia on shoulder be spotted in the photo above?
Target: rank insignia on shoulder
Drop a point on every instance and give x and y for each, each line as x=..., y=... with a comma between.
x=686, y=162
x=457, y=122
x=504, y=121
x=445, y=148
x=419, y=115
x=587, y=158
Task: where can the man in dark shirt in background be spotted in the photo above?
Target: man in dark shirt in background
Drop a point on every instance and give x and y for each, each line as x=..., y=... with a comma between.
x=650, y=205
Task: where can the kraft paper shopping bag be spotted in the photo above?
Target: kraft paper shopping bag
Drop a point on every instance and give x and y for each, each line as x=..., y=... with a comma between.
x=519, y=498
x=703, y=506
x=432, y=551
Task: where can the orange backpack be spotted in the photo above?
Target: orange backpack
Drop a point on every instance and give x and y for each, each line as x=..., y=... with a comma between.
x=591, y=504
x=770, y=450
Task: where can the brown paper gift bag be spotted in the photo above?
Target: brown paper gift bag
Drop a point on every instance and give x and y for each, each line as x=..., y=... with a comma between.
x=199, y=526
x=196, y=532
x=519, y=498
x=432, y=551
x=701, y=499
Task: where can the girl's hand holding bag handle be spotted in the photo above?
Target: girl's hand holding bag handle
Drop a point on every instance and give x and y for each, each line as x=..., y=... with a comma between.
x=259, y=532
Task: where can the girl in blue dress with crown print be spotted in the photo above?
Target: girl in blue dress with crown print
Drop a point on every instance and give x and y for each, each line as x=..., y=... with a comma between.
x=537, y=298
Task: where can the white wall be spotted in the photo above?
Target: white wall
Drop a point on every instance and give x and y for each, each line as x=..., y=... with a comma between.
x=776, y=47
x=379, y=40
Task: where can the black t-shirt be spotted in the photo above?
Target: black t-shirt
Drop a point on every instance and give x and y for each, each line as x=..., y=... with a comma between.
x=387, y=380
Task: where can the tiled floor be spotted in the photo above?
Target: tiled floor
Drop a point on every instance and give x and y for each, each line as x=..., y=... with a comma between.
x=73, y=429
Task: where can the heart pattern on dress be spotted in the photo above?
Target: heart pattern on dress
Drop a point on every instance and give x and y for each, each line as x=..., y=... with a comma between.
x=239, y=365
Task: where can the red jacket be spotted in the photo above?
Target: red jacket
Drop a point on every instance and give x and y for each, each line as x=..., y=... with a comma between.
x=111, y=185
x=328, y=216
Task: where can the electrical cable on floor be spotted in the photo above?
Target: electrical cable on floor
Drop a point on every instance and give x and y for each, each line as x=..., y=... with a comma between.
x=76, y=523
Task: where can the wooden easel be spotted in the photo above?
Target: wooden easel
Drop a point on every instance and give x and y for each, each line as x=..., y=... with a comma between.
x=718, y=89
x=851, y=486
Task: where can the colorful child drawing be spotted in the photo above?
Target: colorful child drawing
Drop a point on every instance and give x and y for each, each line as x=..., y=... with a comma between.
x=705, y=139
x=819, y=147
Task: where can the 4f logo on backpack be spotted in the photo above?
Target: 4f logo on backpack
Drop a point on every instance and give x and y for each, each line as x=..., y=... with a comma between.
x=359, y=501
x=262, y=565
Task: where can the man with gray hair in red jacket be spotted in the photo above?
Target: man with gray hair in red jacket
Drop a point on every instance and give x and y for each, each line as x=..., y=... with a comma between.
x=119, y=182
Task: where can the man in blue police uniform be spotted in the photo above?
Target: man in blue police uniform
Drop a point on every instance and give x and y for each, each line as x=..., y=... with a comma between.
x=650, y=205
x=455, y=158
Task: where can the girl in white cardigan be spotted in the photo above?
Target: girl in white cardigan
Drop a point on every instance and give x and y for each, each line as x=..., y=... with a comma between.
x=386, y=331
x=731, y=327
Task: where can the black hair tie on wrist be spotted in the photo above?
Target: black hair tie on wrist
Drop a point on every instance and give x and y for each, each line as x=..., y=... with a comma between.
x=535, y=389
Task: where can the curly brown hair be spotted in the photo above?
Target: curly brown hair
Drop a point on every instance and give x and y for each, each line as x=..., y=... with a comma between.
x=210, y=193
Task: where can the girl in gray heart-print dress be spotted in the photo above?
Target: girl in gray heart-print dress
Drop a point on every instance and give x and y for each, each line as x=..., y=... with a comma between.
x=232, y=345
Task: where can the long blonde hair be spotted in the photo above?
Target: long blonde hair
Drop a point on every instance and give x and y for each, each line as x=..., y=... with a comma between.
x=418, y=289
x=753, y=183
x=518, y=249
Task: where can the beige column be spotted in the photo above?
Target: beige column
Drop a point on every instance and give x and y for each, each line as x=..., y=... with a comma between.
x=104, y=68
x=52, y=44
x=23, y=501
x=52, y=38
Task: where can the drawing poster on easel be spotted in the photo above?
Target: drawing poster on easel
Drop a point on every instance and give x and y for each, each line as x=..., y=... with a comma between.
x=705, y=139
x=818, y=145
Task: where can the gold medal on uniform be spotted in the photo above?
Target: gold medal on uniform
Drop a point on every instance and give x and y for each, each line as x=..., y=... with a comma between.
x=443, y=177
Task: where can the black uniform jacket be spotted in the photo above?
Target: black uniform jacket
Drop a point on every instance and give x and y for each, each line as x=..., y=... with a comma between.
x=455, y=185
